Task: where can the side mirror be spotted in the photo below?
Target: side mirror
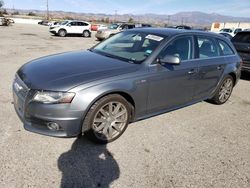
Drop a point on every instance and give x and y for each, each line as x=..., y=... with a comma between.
x=169, y=59
x=69, y=25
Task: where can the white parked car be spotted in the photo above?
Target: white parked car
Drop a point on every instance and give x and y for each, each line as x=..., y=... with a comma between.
x=1, y=20
x=232, y=32
x=102, y=27
x=72, y=27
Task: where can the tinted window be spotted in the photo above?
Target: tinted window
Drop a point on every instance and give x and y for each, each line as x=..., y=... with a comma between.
x=237, y=30
x=207, y=48
x=243, y=37
x=84, y=24
x=73, y=23
x=79, y=24
x=225, y=48
x=131, y=26
x=113, y=26
x=227, y=30
x=181, y=47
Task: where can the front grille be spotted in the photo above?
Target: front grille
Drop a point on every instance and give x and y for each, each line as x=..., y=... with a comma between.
x=20, y=92
x=20, y=88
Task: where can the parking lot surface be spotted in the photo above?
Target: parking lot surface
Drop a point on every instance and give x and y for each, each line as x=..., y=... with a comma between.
x=203, y=145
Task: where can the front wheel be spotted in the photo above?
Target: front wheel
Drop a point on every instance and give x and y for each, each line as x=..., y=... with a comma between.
x=62, y=33
x=224, y=92
x=107, y=119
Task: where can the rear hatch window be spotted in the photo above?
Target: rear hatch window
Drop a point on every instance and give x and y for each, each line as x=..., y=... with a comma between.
x=243, y=37
x=241, y=42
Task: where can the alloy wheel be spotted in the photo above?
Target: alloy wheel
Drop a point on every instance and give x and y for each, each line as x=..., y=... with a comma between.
x=226, y=90
x=110, y=120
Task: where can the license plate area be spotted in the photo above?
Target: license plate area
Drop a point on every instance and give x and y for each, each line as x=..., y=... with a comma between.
x=19, y=104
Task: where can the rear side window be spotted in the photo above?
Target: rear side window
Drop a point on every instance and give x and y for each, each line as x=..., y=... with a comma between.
x=243, y=37
x=131, y=26
x=207, y=47
x=84, y=24
x=73, y=23
x=225, y=48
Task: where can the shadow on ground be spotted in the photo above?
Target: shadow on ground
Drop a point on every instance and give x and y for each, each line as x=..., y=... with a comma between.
x=87, y=165
x=245, y=76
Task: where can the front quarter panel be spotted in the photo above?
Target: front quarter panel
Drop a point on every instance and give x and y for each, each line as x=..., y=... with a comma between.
x=136, y=88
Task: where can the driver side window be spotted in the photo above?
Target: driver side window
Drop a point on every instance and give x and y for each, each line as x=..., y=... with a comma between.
x=181, y=47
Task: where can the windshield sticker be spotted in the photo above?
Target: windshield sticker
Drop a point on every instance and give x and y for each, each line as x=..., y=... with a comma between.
x=148, y=51
x=154, y=37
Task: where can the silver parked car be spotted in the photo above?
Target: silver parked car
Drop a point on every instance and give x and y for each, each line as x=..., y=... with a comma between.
x=112, y=30
x=131, y=76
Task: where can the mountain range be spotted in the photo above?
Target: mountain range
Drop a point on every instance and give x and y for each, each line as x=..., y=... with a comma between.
x=193, y=18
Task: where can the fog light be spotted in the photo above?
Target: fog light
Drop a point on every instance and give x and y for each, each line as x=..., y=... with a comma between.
x=53, y=126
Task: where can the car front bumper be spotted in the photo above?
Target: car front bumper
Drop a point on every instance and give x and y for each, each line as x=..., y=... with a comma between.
x=53, y=32
x=37, y=117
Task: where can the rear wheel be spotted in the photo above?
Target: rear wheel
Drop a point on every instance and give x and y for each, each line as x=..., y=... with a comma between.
x=86, y=33
x=224, y=92
x=62, y=33
x=108, y=118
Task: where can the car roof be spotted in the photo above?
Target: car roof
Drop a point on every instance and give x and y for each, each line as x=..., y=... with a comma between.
x=76, y=21
x=172, y=32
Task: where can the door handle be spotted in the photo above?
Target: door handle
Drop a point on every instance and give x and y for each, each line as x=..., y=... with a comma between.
x=192, y=71
x=219, y=67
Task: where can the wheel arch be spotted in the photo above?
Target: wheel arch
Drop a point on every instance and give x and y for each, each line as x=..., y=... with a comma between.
x=62, y=29
x=124, y=94
x=234, y=77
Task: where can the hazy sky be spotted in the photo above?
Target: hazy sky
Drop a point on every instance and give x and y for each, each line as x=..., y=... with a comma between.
x=227, y=7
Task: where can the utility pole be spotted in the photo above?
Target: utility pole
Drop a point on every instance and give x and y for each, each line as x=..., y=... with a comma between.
x=168, y=20
x=115, y=15
x=47, y=5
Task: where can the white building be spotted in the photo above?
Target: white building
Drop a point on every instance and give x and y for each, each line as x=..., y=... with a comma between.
x=231, y=25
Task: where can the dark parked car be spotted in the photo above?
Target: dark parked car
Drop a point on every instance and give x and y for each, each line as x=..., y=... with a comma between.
x=131, y=76
x=241, y=42
x=44, y=22
x=179, y=27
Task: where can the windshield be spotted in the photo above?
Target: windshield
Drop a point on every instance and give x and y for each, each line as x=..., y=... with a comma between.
x=130, y=46
x=64, y=23
x=113, y=26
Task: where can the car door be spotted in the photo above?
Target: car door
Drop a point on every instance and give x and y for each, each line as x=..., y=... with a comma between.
x=211, y=66
x=81, y=27
x=171, y=86
x=72, y=27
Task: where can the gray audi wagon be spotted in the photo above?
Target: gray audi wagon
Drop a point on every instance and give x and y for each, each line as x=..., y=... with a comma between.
x=131, y=76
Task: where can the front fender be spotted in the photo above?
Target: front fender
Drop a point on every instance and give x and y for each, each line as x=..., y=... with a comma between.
x=136, y=89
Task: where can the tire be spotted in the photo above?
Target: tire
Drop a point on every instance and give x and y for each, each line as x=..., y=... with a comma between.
x=224, y=91
x=62, y=33
x=107, y=119
x=86, y=34
x=111, y=35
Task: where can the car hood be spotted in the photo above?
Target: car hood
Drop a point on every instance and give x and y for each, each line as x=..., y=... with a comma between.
x=62, y=72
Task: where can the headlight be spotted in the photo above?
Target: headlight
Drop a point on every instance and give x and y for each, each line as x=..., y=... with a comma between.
x=53, y=97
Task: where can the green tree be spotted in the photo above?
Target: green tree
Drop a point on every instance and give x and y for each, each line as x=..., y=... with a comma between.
x=15, y=13
x=5, y=11
x=130, y=20
x=106, y=20
x=31, y=14
x=1, y=3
